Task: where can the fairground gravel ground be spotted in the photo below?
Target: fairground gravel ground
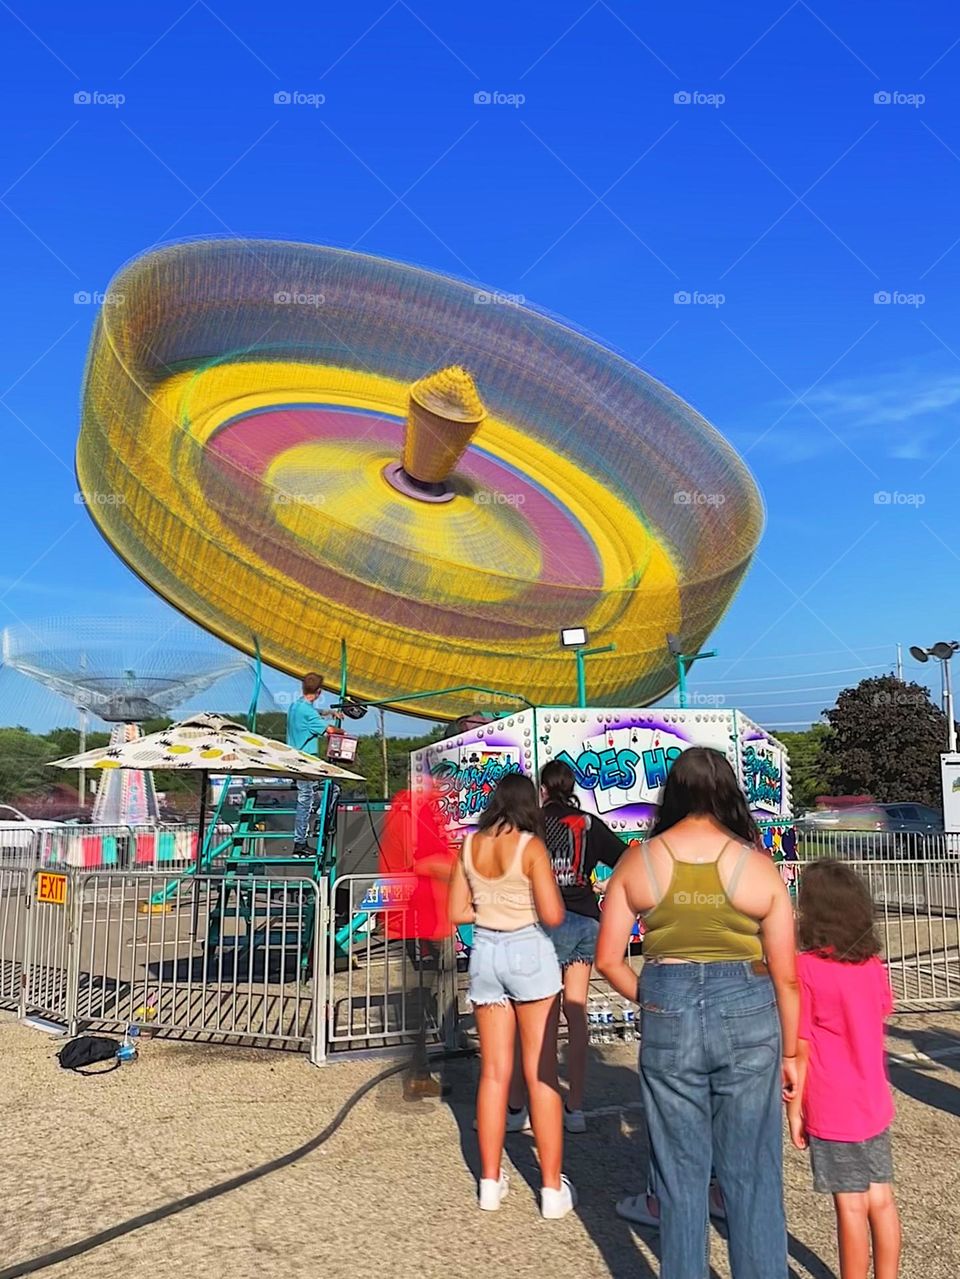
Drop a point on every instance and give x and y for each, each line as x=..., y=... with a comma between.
x=392, y=1192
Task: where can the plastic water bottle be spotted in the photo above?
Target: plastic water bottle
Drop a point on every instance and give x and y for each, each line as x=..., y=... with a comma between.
x=127, y=1051
x=629, y=1020
x=606, y=1022
x=593, y=1020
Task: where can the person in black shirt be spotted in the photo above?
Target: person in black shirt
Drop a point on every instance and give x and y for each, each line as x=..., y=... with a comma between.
x=576, y=842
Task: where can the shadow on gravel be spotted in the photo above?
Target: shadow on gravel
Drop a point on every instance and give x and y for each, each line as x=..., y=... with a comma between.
x=604, y=1164
x=922, y=1081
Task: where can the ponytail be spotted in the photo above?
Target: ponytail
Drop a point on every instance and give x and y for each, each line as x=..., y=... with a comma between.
x=558, y=780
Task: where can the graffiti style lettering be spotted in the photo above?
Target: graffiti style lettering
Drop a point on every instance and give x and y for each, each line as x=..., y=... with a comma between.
x=657, y=763
x=463, y=792
x=607, y=769
x=763, y=777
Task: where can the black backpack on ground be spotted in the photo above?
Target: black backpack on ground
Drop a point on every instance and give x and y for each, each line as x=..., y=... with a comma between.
x=86, y=1051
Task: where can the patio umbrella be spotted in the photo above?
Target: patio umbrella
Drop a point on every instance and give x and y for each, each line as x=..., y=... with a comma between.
x=208, y=743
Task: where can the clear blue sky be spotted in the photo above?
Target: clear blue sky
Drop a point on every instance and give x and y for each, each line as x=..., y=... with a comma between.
x=798, y=198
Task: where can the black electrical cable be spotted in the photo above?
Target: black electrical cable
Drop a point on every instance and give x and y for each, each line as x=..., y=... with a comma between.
x=47, y=1259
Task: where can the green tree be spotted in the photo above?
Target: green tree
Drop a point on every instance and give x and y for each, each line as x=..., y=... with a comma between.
x=885, y=741
x=807, y=767
x=23, y=764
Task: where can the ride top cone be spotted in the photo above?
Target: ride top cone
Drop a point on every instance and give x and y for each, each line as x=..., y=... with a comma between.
x=444, y=412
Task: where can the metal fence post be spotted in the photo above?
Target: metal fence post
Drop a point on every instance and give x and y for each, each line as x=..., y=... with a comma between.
x=26, y=957
x=318, y=1043
x=74, y=918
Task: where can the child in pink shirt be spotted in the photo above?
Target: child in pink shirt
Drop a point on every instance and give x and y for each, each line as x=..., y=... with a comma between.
x=844, y=1107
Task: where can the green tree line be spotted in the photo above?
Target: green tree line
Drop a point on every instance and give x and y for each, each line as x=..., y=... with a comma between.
x=882, y=738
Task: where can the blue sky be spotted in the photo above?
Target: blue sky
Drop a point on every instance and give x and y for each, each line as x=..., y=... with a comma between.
x=778, y=182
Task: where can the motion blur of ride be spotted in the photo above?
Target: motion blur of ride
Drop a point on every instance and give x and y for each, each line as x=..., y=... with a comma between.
x=442, y=486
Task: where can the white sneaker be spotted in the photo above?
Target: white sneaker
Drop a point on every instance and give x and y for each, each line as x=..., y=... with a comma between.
x=574, y=1121
x=519, y=1122
x=492, y=1193
x=555, y=1204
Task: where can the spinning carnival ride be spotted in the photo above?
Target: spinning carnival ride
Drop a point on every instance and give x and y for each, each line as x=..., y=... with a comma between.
x=309, y=445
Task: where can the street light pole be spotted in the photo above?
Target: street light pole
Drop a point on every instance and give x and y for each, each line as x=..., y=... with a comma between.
x=948, y=707
x=943, y=652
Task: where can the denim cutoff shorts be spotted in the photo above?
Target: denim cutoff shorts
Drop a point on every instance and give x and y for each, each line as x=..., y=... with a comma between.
x=520, y=966
x=575, y=940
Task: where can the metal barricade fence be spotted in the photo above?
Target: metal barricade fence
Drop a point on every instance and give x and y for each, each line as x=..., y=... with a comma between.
x=49, y=969
x=226, y=957
x=15, y=884
x=230, y=956
x=918, y=917
x=385, y=988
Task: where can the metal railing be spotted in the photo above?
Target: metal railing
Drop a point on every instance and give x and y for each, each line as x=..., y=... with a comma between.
x=15, y=884
x=918, y=917
x=864, y=845
x=386, y=988
x=264, y=960
x=105, y=847
x=237, y=958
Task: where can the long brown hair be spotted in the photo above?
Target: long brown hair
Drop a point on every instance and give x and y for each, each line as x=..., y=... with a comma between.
x=835, y=913
x=513, y=806
x=702, y=782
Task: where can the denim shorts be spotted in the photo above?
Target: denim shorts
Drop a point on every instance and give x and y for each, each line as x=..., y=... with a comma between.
x=520, y=966
x=575, y=940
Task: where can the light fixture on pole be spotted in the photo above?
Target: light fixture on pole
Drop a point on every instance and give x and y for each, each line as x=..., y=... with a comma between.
x=684, y=662
x=942, y=651
x=576, y=637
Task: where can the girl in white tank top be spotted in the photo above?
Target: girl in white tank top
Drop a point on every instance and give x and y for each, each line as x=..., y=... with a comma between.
x=514, y=979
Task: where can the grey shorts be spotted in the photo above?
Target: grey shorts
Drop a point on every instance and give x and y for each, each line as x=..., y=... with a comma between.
x=848, y=1167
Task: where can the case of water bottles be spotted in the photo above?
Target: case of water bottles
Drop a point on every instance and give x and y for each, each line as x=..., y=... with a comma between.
x=612, y=1019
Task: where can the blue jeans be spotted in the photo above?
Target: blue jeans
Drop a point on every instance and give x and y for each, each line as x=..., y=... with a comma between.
x=306, y=799
x=710, y=1083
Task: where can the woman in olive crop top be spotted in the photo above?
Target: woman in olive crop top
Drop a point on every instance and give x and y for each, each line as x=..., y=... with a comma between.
x=719, y=1007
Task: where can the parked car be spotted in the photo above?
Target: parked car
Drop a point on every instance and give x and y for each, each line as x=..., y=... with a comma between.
x=17, y=830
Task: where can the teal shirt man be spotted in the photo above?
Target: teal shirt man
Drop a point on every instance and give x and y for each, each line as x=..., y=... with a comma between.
x=306, y=728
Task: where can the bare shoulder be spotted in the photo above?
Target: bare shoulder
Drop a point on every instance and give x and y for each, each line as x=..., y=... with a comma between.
x=534, y=851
